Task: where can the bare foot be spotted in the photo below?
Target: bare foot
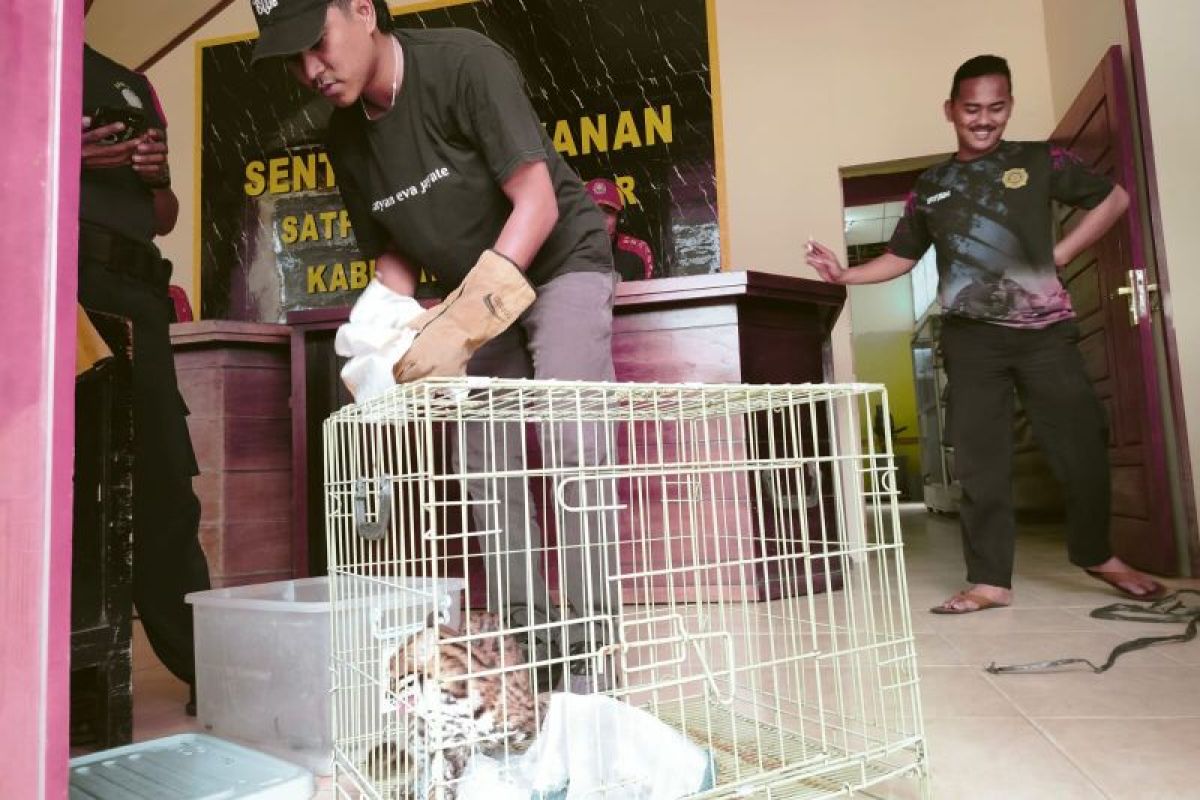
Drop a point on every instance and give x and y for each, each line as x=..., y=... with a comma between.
x=1126, y=579
x=979, y=597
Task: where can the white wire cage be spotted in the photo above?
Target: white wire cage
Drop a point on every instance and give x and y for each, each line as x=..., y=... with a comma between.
x=725, y=558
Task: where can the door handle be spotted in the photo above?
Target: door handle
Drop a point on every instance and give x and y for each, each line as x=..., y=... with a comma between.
x=1138, y=293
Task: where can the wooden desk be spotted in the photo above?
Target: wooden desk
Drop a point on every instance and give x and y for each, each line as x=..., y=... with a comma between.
x=234, y=377
x=734, y=327
x=731, y=327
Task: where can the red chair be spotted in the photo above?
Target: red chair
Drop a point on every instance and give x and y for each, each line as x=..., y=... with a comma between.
x=179, y=301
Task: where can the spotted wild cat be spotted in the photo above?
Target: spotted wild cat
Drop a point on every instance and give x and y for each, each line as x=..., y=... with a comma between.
x=471, y=693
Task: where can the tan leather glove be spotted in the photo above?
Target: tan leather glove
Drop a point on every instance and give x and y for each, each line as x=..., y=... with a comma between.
x=491, y=297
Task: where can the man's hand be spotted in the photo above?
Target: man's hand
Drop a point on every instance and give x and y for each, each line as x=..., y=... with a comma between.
x=150, y=159
x=877, y=270
x=1091, y=227
x=823, y=260
x=491, y=297
x=98, y=155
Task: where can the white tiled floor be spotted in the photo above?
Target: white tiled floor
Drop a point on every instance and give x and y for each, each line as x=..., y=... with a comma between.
x=1133, y=732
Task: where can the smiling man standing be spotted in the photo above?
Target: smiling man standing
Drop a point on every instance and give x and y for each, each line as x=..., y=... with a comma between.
x=443, y=165
x=1008, y=324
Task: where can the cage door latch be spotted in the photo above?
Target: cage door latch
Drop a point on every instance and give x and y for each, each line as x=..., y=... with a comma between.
x=365, y=527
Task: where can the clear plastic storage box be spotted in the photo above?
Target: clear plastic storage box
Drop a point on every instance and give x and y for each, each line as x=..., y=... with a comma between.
x=263, y=655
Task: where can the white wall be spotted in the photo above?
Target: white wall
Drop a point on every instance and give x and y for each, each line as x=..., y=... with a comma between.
x=1172, y=64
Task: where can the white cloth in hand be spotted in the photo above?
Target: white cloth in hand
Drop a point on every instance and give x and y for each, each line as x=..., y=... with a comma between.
x=374, y=339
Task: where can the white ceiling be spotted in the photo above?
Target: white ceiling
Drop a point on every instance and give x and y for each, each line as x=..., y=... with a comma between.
x=132, y=32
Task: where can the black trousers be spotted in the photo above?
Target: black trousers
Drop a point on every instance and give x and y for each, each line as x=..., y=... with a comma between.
x=985, y=363
x=167, y=559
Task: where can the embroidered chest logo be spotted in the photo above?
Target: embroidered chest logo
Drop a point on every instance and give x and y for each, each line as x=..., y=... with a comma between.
x=1015, y=178
x=937, y=198
x=264, y=7
x=128, y=95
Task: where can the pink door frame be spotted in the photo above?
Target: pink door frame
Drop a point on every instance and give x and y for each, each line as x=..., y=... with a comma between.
x=41, y=63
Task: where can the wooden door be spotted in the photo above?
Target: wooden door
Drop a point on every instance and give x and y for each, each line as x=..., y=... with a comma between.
x=1118, y=349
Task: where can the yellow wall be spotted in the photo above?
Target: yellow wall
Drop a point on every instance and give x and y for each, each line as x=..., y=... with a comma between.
x=1078, y=32
x=881, y=317
x=1172, y=64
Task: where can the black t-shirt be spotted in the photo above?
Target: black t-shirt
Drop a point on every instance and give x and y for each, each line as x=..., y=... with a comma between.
x=991, y=222
x=427, y=175
x=116, y=197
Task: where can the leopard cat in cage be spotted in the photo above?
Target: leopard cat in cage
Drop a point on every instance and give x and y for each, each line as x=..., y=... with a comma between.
x=495, y=714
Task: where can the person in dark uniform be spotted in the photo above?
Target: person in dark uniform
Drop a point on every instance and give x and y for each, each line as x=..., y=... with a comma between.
x=125, y=201
x=633, y=257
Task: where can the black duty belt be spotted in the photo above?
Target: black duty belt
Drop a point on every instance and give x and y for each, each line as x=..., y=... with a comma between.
x=121, y=254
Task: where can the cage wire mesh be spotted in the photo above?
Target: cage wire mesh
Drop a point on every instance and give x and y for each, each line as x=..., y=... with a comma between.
x=726, y=558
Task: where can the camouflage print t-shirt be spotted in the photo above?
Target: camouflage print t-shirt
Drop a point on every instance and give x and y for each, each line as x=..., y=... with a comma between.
x=990, y=220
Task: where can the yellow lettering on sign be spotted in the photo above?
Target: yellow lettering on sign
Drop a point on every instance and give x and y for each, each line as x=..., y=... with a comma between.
x=288, y=174
x=626, y=184
x=627, y=132
x=287, y=229
x=304, y=173
x=328, y=218
x=594, y=133
x=337, y=279
x=308, y=232
x=277, y=175
x=659, y=125
x=564, y=140
x=255, y=183
x=343, y=224
x=358, y=275
x=330, y=181
x=316, y=279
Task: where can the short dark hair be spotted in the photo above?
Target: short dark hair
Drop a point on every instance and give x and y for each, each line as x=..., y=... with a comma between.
x=383, y=16
x=977, y=67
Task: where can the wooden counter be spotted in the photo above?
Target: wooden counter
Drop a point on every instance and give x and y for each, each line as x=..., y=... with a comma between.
x=234, y=377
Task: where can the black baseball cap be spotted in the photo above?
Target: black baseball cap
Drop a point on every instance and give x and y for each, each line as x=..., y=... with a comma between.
x=286, y=27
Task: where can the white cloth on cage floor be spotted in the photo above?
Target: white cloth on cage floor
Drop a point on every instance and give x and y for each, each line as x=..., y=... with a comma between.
x=374, y=339
x=594, y=746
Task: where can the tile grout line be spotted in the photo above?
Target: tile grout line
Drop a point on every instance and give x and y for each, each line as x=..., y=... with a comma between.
x=1053, y=743
x=991, y=680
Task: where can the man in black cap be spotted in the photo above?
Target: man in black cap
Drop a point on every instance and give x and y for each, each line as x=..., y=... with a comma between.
x=125, y=201
x=443, y=165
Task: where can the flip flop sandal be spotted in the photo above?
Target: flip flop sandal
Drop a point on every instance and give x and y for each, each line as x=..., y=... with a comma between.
x=1114, y=580
x=981, y=604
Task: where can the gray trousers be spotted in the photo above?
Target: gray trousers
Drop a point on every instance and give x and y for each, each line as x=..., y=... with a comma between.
x=565, y=335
